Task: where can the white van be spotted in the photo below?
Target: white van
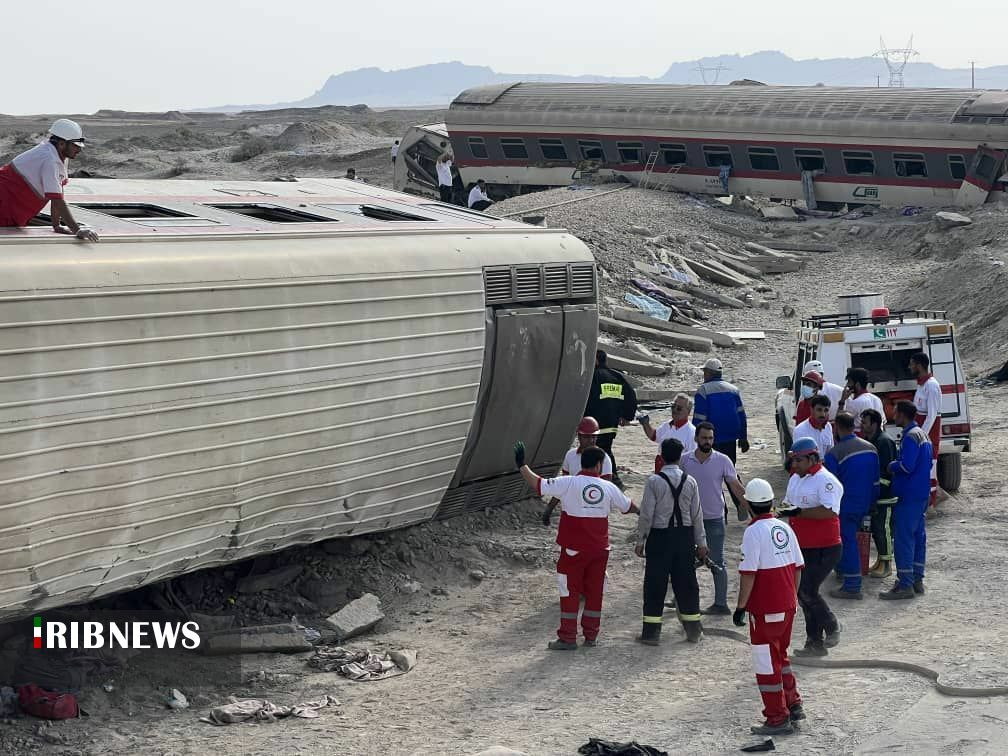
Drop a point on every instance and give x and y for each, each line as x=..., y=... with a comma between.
x=883, y=346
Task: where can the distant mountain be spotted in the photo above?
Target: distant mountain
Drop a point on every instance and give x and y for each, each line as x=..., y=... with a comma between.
x=439, y=83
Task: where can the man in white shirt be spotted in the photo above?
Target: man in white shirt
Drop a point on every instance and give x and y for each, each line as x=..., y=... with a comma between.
x=478, y=199
x=395, y=151
x=444, y=176
x=818, y=426
x=928, y=401
x=678, y=427
x=856, y=397
x=587, y=435
x=37, y=177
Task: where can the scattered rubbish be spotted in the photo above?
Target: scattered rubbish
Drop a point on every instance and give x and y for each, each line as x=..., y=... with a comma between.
x=357, y=617
x=649, y=305
x=47, y=704
x=911, y=211
x=176, y=700
x=311, y=635
x=272, y=678
x=757, y=444
x=261, y=710
x=363, y=665
x=779, y=212
x=477, y=575
x=760, y=746
x=411, y=586
x=598, y=747
x=788, y=311
x=746, y=335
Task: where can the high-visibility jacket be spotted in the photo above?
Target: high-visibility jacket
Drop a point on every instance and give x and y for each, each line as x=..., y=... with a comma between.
x=611, y=399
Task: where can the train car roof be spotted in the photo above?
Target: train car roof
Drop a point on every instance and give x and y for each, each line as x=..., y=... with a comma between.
x=818, y=103
x=181, y=207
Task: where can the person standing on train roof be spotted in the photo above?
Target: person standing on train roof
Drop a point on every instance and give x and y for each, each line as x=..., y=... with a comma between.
x=444, y=176
x=583, y=537
x=37, y=176
x=395, y=151
x=613, y=402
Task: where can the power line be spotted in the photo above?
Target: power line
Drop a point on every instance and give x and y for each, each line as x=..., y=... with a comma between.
x=715, y=70
x=896, y=60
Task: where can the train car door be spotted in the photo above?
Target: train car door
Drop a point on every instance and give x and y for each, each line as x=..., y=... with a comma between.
x=983, y=172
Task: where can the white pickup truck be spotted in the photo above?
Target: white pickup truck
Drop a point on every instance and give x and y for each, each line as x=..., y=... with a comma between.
x=883, y=346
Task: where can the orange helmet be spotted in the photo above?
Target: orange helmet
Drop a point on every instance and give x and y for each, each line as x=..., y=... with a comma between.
x=588, y=427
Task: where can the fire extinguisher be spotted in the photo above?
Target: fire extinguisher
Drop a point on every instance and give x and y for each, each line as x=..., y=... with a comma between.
x=864, y=540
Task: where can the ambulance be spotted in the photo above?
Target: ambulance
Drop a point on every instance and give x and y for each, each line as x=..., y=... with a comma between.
x=865, y=334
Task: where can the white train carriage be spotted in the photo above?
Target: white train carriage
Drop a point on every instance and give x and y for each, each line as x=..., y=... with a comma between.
x=831, y=146
x=239, y=367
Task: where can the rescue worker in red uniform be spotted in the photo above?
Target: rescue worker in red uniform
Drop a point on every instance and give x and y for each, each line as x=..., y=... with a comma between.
x=37, y=176
x=583, y=536
x=769, y=574
x=928, y=401
x=587, y=433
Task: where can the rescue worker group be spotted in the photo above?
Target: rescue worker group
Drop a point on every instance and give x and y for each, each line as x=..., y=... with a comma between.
x=847, y=475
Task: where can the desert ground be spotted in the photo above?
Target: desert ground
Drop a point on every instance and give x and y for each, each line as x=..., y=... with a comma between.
x=476, y=596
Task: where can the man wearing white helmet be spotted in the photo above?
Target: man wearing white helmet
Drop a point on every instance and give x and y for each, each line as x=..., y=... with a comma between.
x=37, y=176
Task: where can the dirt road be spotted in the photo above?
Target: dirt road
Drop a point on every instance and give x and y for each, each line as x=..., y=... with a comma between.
x=486, y=678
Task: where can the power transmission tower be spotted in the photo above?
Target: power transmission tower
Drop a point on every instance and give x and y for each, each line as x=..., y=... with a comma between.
x=715, y=70
x=896, y=60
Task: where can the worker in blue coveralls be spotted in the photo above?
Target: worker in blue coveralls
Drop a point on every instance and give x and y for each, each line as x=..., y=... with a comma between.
x=854, y=462
x=911, y=483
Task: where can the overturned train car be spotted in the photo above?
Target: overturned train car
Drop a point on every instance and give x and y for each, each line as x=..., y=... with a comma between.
x=238, y=368
x=829, y=146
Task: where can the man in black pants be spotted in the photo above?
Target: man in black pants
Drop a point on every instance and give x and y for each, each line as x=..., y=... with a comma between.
x=612, y=401
x=813, y=497
x=670, y=534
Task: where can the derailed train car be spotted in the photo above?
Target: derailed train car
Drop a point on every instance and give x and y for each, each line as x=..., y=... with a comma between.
x=240, y=367
x=831, y=146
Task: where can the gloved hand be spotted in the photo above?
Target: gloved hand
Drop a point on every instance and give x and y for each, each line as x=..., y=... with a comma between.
x=86, y=234
x=738, y=618
x=744, y=445
x=642, y=418
x=547, y=516
x=519, y=452
x=792, y=512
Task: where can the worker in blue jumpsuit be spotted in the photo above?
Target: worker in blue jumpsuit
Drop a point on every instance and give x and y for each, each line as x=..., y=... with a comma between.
x=911, y=483
x=854, y=462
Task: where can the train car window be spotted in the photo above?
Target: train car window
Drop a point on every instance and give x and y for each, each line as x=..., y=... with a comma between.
x=133, y=210
x=763, y=159
x=985, y=167
x=909, y=164
x=514, y=148
x=673, y=154
x=717, y=155
x=810, y=159
x=591, y=150
x=858, y=163
x=957, y=167
x=553, y=149
x=272, y=213
x=478, y=148
x=630, y=152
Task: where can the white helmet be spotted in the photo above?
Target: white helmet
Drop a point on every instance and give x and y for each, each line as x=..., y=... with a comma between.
x=66, y=129
x=814, y=365
x=758, y=491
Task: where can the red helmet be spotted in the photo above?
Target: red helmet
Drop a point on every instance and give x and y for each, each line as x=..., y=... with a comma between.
x=588, y=427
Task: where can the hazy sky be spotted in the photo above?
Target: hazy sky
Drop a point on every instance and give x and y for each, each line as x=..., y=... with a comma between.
x=81, y=56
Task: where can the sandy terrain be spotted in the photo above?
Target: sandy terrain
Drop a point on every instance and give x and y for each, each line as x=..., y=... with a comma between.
x=485, y=676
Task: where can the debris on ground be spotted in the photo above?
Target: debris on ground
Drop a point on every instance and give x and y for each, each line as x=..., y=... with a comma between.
x=363, y=664
x=597, y=747
x=357, y=617
x=175, y=700
x=947, y=219
x=280, y=638
x=262, y=710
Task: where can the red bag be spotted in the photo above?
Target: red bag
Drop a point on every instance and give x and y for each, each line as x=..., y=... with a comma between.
x=47, y=704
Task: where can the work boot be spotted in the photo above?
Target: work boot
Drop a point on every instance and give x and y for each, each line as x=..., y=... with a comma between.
x=590, y=642
x=716, y=609
x=843, y=593
x=812, y=648
x=694, y=630
x=897, y=593
x=650, y=634
x=784, y=728
x=881, y=569
x=832, y=639
x=561, y=645
x=797, y=712
x=918, y=587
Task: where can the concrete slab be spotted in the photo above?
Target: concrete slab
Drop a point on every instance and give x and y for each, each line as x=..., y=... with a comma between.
x=282, y=638
x=357, y=617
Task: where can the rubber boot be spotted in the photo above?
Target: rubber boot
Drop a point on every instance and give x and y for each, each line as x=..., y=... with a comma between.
x=881, y=569
x=650, y=634
x=694, y=630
